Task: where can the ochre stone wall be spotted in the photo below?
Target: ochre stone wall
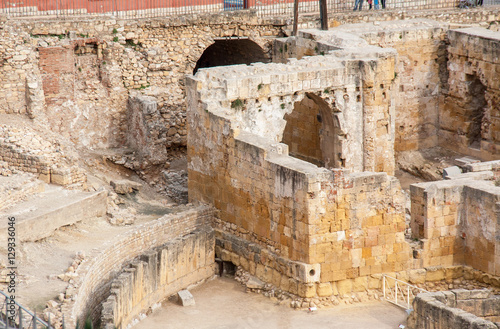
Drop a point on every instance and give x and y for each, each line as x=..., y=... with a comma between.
x=468, y=125
x=302, y=132
x=97, y=271
x=328, y=225
x=157, y=274
x=420, y=72
x=456, y=221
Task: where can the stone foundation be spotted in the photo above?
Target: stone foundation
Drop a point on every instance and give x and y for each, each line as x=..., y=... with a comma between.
x=458, y=308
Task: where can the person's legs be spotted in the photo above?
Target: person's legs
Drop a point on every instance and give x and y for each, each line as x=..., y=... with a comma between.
x=383, y=3
x=358, y=3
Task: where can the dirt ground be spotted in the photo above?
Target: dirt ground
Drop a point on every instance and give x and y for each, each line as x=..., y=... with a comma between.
x=223, y=303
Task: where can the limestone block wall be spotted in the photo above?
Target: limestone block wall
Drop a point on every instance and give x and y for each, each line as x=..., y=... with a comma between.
x=457, y=308
x=469, y=122
x=421, y=75
x=435, y=218
x=158, y=274
x=457, y=222
x=331, y=224
x=362, y=229
x=470, y=16
x=95, y=274
x=25, y=150
x=420, y=69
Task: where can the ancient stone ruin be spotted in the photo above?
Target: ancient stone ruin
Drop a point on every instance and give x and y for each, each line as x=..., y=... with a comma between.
x=203, y=148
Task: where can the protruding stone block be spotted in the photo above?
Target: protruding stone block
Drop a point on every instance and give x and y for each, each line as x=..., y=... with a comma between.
x=185, y=298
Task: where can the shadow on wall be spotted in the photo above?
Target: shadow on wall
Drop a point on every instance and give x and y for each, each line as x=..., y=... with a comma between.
x=312, y=133
x=231, y=52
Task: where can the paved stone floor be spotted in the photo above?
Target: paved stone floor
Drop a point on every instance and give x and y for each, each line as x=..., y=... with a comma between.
x=222, y=303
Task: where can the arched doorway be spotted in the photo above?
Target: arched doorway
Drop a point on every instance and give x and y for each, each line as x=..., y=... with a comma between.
x=313, y=133
x=231, y=52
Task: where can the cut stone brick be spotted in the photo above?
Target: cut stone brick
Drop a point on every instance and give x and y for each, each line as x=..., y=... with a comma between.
x=186, y=298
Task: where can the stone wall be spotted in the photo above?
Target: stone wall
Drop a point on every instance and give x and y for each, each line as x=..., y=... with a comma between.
x=469, y=121
x=332, y=224
x=157, y=274
x=420, y=69
x=25, y=150
x=457, y=308
x=145, y=135
x=421, y=75
x=84, y=69
x=483, y=15
x=92, y=285
x=457, y=222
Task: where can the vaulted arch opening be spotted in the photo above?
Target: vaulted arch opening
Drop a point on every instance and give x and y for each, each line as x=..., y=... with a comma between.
x=231, y=52
x=313, y=133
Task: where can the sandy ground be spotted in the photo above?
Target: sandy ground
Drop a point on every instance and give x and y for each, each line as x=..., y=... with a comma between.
x=223, y=303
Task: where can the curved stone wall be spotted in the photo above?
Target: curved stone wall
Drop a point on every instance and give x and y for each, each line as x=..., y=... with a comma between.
x=157, y=274
x=93, y=283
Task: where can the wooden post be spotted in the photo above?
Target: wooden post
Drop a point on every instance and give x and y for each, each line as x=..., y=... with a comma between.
x=295, y=17
x=323, y=13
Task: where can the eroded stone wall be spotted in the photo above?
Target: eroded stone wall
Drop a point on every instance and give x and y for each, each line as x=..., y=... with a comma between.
x=95, y=274
x=157, y=274
x=308, y=226
x=457, y=222
x=457, y=308
x=469, y=121
x=83, y=70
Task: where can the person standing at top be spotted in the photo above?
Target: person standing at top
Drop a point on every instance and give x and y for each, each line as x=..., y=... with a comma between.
x=382, y=2
x=376, y=6
x=358, y=3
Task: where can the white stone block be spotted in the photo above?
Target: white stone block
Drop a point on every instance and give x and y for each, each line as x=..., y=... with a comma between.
x=186, y=298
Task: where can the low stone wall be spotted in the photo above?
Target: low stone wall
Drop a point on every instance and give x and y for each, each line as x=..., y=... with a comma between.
x=456, y=221
x=25, y=150
x=92, y=285
x=157, y=274
x=457, y=308
x=18, y=187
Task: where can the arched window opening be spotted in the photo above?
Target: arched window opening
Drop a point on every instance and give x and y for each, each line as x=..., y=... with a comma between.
x=313, y=133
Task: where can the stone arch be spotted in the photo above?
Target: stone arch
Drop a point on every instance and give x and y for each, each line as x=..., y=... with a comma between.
x=232, y=52
x=314, y=131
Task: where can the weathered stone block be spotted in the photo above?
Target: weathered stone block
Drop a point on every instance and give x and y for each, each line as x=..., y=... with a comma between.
x=325, y=289
x=186, y=298
x=344, y=287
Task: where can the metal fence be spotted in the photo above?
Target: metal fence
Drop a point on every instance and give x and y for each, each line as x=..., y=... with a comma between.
x=15, y=316
x=130, y=9
x=398, y=292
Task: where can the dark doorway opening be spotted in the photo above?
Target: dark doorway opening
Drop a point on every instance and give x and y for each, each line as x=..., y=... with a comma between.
x=475, y=111
x=231, y=52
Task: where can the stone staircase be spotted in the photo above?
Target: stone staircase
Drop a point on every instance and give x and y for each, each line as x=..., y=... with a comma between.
x=39, y=208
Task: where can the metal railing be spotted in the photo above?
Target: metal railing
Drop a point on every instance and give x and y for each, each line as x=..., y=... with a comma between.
x=129, y=9
x=398, y=292
x=15, y=316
